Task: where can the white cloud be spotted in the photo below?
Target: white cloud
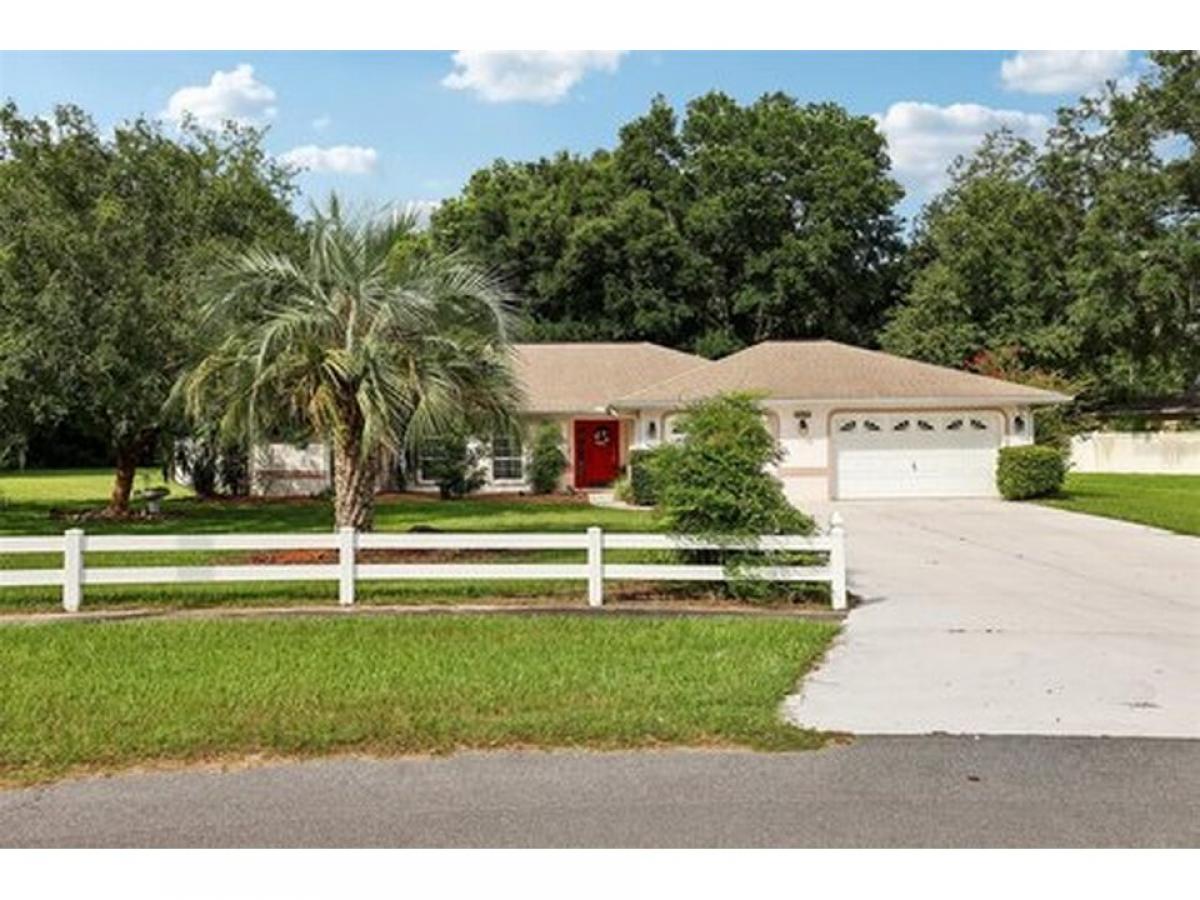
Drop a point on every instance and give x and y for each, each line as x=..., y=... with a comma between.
x=343, y=159
x=235, y=95
x=320, y=123
x=1062, y=71
x=923, y=139
x=502, y=76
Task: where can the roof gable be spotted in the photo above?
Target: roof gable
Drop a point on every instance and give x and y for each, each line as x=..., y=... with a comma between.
x=584, y=377
x=828, y=370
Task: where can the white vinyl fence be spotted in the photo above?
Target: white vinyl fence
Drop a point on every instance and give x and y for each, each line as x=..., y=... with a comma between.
x=74, y=576
x=1146, y=452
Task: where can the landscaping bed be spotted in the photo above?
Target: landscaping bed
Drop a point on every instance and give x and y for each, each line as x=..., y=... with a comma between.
x=87, y=696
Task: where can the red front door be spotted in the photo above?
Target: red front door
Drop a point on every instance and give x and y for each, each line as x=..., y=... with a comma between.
x=597, y=453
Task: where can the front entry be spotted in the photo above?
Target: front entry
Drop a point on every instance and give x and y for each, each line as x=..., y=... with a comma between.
x=597, y=452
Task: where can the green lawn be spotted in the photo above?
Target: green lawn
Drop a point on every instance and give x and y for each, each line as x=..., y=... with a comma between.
x=28, y=499
x=30, y=502
x=80, y=696
x=1164, y=501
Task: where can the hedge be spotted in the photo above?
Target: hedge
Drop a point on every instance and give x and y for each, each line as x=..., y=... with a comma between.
x=641, y=477
x=1031, y=471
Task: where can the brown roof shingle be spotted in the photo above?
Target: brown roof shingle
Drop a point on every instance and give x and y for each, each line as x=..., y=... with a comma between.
x=827, y=370
x=588, y=377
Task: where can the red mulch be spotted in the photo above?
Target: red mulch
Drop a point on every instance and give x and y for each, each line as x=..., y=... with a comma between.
x=319, y=557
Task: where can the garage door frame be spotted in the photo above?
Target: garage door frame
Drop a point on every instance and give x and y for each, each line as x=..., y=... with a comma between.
x=886, y=421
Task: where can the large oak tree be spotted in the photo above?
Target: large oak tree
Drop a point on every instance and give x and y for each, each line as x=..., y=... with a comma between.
x=738, y=224
x=101, y=235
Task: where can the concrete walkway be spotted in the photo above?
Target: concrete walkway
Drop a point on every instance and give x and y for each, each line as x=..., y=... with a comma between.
x=983, y=617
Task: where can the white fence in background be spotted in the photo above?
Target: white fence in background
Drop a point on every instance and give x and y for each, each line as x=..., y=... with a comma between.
x=74, y=575
x=1147, y=452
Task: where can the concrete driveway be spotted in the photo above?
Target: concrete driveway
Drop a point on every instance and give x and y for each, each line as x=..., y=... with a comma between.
x=984, y=617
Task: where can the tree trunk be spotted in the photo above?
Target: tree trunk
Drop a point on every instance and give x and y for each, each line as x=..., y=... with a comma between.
x=353, y=486
x=127, y=460
x=126, y=468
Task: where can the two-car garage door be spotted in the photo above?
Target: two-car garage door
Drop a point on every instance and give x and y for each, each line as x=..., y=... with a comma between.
x=943, y=454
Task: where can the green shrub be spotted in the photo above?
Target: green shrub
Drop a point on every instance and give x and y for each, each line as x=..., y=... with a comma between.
x=623, y=489
x=714, y=483
x=1033, y=471
x=641, y=477
x=455, y=466
x=547, y=459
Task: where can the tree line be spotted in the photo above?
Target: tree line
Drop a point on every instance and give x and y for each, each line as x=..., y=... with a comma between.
x=1076, y=261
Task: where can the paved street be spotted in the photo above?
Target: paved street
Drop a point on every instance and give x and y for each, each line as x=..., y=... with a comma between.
x=985, y=617
x=890, y=791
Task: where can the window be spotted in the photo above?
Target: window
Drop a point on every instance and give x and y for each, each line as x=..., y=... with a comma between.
x=955, y=425
x=870, y=426
x=924, y=426
x=431, y=453
x=978, y=425
x=507, y=462
x=848, y=426
x=902, y=425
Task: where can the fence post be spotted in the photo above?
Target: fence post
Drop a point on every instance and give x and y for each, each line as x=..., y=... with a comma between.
x=347, y=542
x=595, y=566
x=837, y=561
x=72, y=586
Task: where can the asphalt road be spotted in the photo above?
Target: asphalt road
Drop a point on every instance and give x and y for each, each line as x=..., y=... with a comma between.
x=883, y=791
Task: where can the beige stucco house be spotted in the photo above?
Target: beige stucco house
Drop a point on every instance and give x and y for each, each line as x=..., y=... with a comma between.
x=851, y=423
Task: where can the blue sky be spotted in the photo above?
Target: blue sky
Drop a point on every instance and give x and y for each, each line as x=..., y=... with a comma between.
x=405, y=126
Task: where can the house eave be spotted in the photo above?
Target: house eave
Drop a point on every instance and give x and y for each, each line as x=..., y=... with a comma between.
x=930, y=402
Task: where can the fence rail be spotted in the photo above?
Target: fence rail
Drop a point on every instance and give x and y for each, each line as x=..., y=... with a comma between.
x=347, y=571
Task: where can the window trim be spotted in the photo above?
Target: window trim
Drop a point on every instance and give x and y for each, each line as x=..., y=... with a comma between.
x=516, y=454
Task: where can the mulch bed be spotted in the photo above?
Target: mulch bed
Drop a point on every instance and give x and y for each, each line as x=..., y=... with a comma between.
x=320, y=557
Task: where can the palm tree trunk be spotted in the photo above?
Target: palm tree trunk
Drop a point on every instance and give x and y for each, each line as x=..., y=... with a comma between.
x=126, y=468
x=353, y=486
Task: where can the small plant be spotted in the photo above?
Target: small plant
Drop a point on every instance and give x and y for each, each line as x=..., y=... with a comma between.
x=1033, y=471
x=623, y=489
x=548, y=461
x=455, y=465
x=641, y=477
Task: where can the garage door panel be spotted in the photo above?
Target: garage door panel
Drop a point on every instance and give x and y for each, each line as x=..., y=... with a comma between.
x=916, y=454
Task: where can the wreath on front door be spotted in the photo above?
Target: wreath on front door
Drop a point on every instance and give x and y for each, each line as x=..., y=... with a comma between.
x=601, y=436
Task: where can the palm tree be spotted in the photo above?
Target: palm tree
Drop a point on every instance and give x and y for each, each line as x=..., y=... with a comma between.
x=361, y=341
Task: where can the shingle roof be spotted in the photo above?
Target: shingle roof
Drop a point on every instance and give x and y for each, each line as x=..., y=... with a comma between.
x=827, y=370
x=582, y=377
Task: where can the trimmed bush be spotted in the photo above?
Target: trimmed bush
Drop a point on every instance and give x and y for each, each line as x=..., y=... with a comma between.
x=547, y=459
x=715, y=484
x=1033, y=471
x=641, y=477
x=456, y=467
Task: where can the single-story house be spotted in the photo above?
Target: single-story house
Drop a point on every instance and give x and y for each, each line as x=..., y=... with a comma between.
x=850, y=423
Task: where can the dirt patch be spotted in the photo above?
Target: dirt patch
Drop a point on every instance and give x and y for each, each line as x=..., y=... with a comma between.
x=104, y=514
x=325, y=557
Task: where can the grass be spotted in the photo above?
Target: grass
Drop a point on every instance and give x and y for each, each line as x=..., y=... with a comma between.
x=31, y=503
x=28, y=501
x=1163, y=501
x=101, y=696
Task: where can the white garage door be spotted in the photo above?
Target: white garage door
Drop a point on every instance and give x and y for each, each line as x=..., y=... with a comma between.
x=916, y=454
